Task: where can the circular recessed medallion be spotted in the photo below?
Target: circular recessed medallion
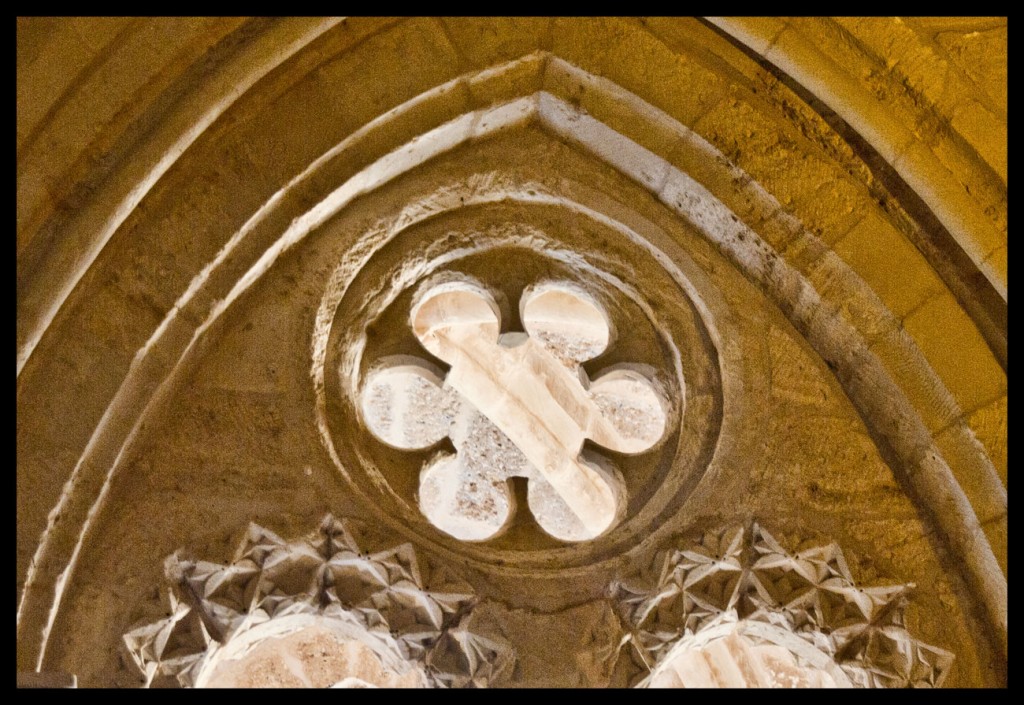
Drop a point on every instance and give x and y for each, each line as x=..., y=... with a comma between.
x=521, y=403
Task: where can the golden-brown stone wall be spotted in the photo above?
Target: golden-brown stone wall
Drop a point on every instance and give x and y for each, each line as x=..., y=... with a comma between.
x=799, y=223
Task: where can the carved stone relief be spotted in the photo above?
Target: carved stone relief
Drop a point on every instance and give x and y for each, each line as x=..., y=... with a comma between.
x=315, y=611
x=738, y=609
x=515, y=405
x=735, y=609
x=599, y=335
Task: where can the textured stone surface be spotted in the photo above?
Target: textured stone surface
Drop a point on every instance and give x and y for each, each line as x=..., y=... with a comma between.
x=205, y=205
x=989, y=425
x=891, y=266
x=956, y=352
x=313, y=658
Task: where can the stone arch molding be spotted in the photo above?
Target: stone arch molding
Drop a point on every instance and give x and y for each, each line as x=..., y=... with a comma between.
x=540, y=91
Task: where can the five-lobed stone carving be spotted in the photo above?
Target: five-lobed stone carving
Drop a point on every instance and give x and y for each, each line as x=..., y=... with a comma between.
x=517, y=404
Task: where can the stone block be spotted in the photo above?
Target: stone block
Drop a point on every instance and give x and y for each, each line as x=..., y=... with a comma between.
x=372, y=77
x=624, y=52
x=833, y=78
x=957, y=352
x=975, y=176
x=942, y=191
x=781, y=230
x=758, y=33
x=833, y=208
x=121, y=322
x=693, y=36
x=840, y=287
x=485, y=41
x=989, y=426
x=997, y=260
x=909, y=370
x=519, y=77
x=797, y=375
x=806, y=460
x=633, y=118
x=973, y=471
x=760, y=142
x=979, y=51
x=996, y=533
x=894, y=269
x=986, y=132
x=727, y=182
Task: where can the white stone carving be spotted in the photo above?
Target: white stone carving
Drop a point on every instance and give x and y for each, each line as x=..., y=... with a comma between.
x=743, y=582
x=316, y=611
x=732, y=653
x=517, y=404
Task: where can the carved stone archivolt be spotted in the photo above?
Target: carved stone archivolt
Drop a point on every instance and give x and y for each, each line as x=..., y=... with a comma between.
x=526, y=307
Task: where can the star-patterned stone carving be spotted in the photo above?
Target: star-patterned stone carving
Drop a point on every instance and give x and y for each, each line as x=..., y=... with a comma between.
x=376, y=603
x=746, y=576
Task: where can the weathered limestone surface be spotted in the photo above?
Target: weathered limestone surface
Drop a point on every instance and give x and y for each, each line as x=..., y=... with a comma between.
x=796, y=229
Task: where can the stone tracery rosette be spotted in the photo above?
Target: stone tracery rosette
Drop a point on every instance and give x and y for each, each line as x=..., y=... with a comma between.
x=372, y=606
x=517, y=404
x=743, y=586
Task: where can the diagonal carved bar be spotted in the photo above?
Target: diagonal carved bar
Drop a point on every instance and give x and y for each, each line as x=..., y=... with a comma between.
x=523, y=389
x=519, y=406
x=530, y=387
